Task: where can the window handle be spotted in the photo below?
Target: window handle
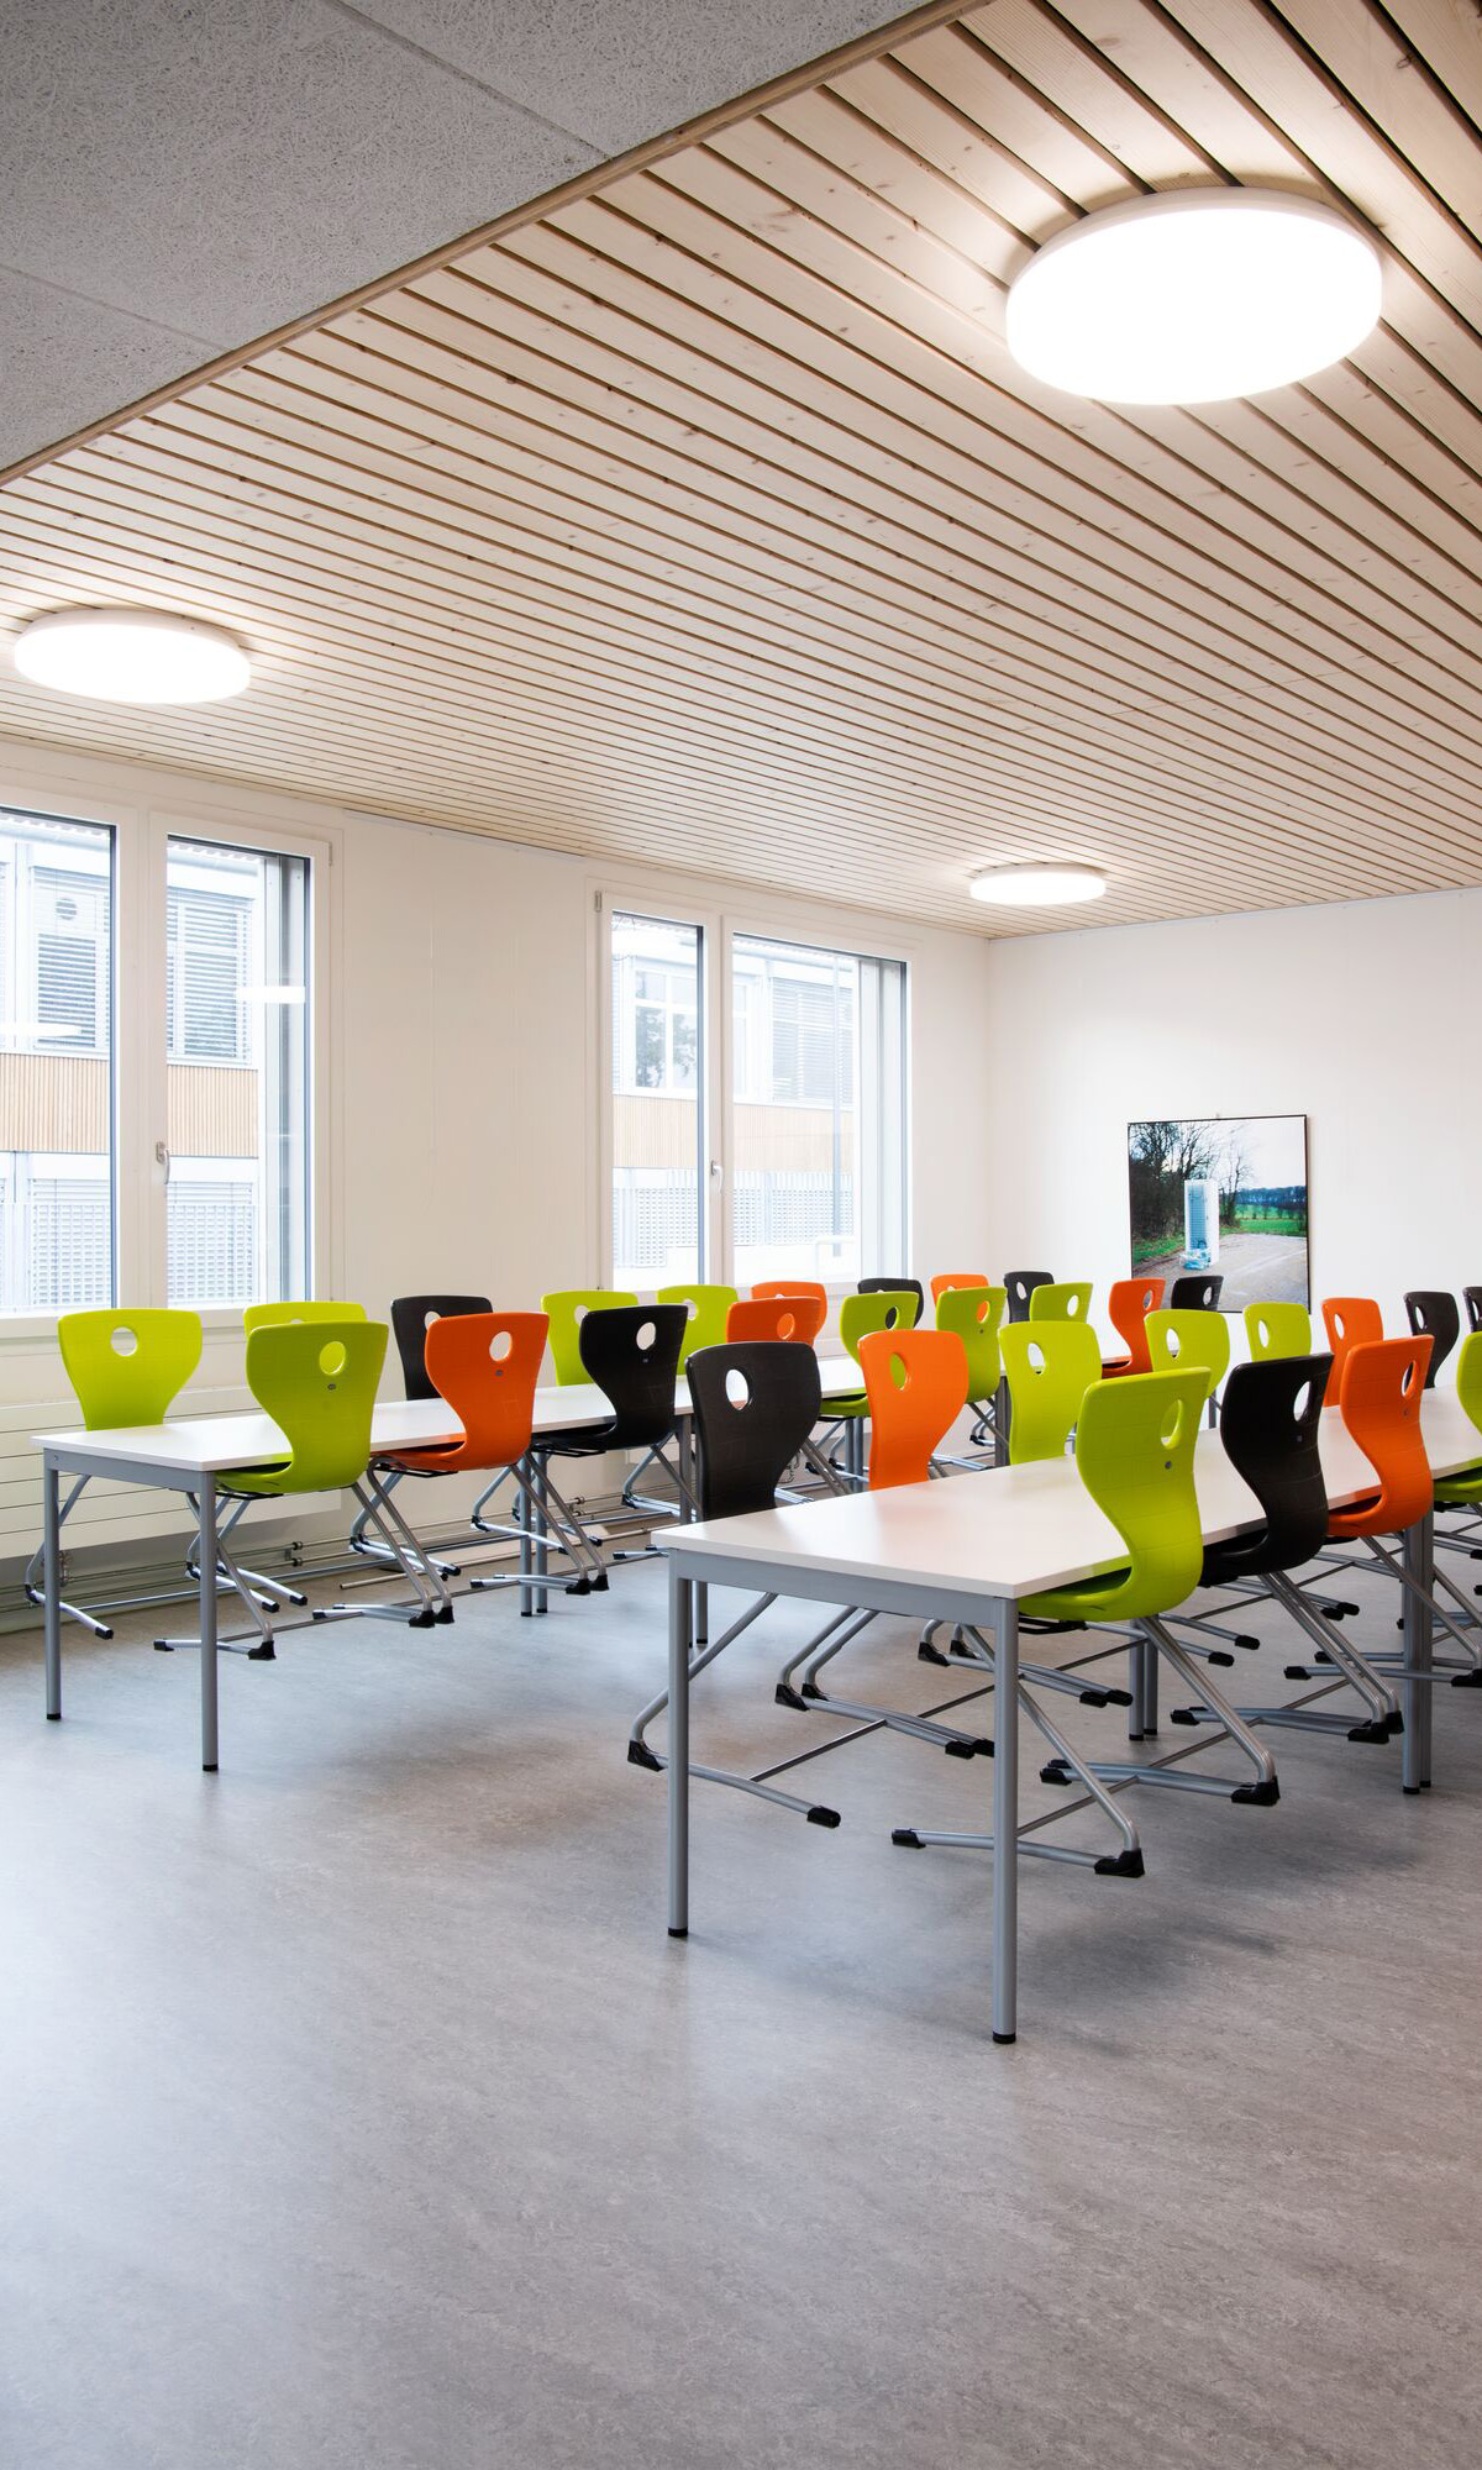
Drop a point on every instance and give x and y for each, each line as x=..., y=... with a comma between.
x=162, y=1158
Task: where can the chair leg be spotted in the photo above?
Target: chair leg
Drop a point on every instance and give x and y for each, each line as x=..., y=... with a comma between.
x=1264, y=1791
x=432, y=1601
x=808, y=1697
x=35, y=1592
x=1128, y=1863
x=640, y=1754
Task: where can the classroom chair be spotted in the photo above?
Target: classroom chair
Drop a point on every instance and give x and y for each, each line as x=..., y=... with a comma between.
x=412, y=1317
x=298, y=1314
x=895, y=1286
x=1188, y=1338
x=1200, y=1293
x=975, y=1314
x=1277, y=1329
x=1128, y=1303
x=795, y=1317
x=766, y=1289
x=707, y=1307
x=566, y=1309
x=1019, y=1285
x=950, y=1278
x=883, y=1308
x=631, y=1353
x=1432, y=1313
x=1350, y=1321
x=1049, y=1367
x=1061, y=1299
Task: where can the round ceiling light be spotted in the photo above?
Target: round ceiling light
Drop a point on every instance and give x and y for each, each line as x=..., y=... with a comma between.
x=1039, y=886
x=1194, y=296
x=132, y=656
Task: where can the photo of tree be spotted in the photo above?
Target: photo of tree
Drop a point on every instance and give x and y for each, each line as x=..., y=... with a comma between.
x=1225, y=1193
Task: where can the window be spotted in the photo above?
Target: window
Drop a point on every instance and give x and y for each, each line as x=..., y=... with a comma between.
x=56, y=1064
x=657, y=1118
x=818, y=1167
x=236, y=1002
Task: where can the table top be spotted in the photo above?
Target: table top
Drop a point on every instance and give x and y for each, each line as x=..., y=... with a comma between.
x=220, y=1444
x=1019, y=1530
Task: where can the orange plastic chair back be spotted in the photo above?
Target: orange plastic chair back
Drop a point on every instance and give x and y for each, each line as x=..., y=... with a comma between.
x=1350, y=1320
x=486, y=1365
x=916, y=1385
x=1379, y=1400
x=768, y=1287
x=786, y=1315
x=956, y=1277
x=1129, y=1303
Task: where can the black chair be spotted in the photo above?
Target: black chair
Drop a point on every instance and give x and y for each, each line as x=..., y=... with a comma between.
x=895, y=1286
x=1433, y=1314
x=755, y=1402
x=630, y=1351
x=1269, y=1424
x=411, y=1318
x=1197, y=1294
x=1472, y=1298
x=1020, y=1285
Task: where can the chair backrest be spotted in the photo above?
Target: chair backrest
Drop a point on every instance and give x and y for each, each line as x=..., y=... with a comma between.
x=412, y=1317
x=1469, y=1376
x=950, y=1278
x=887, y=1308
x=1019, y=1285
x=1050, y=1366
x=487, y=1366
x=1061, y=1299
x=1432, y=1313
x=759, y=1317
x=895, y=1286
x=916, y=1384
x=300, y=1314
x=1350, y=1321
x=1128, y=1303
x=1277, y=1329
x=566, y=1309
x=631, y=1351
x=1379, y=1394
x=1134, y=1449
x=766, y=1288
x=128, y=1367
x=1270, y=1420
x=317, y=1379
x=1200, y=1293
x=976, y=1313
x=1181, y=1341
x=707, y=1307
x=1472, y=1297
x=755, y=1401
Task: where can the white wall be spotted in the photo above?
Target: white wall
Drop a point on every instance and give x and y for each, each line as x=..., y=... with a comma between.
x=1364, y=1017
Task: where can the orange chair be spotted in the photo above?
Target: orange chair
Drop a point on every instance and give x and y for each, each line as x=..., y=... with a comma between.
x=1350, y=1320
x=796, y=1316
x=769, y=1287
x=916, y=1384
x=1129, y=1303
x=956, y=1277
x=487, y=1365
x=1379, y=1392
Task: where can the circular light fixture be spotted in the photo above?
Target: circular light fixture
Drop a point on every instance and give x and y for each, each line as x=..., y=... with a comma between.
x=1194, y=296
x=132, y=656
x=1049, y=885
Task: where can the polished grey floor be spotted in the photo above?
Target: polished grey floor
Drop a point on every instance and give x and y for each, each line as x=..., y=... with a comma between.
x=359, y=2115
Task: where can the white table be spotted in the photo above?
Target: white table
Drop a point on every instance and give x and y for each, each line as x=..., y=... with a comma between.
x=966, y=1549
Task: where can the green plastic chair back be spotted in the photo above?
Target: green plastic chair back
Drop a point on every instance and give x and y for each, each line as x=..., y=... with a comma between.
x=1190, y=1341
x=892, y=1308
x=707, y=1322
x=128, y=1367
x=1464, y=1488
x=976, y=1314
x=1277, y=1329
x=1049, y=1366
x=282, y=1316
x=317, y=1379
x=1064, y=1299
x=566, y=1310
x=1135, y=1454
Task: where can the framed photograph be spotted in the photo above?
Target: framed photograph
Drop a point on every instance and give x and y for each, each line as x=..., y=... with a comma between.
x=1226, y=1193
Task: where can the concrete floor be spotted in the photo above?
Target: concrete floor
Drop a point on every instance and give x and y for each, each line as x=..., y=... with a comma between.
x=359, y=2115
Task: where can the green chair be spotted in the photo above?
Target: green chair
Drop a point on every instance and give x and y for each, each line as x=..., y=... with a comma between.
x=285, y=1315
x=708, y=1305
x=566, y=1310
x=888, y=1308
x=1188, y=1342
x=1063, y=1299
x=126, y=1368
x=1049, y=1367
x=976, y=1313
x=1277, y=1329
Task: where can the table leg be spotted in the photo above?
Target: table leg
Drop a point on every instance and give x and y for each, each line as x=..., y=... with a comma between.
x=522, y=1521
x=208, y=1602
x=1418, y=1546
x=51, y=1498
x=542, y=1550
x=681, y=1612
x=684, y=1441
x=1002, y=1409
x=1006, y=1822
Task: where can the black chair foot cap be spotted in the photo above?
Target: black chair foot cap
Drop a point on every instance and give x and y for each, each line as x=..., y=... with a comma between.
x=818, y=1816
x=1412, y=1789
x=960, y=1749
x=1118, y=1698
x=1264, y=1795
x=53, y=1719
x=1243, y=1639
x=162, y=1646
x=578, y=1586
x=1377, y=1729
x=640, y=1755
x=679, y=1933
x=1003, y=2039
x=1182, y=1715
x=208, y=1768
x=267, y=1653
x=106, y=1633
x=599, y=1585
x=907, y=1836
x=1056, y=1772
x=445, y=1613
x=787, y=1696
x=1217, y=1655
x=930, y=1655
x=1122, y=1865
x=300, y=1600
x=1295, y=1672
x=319, y=1614
x=422, y=1620
x=1395, y=1725
x=1098, y=1698
x=1467, y=1680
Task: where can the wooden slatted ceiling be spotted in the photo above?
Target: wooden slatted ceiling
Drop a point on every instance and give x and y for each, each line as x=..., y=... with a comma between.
x=705, y=519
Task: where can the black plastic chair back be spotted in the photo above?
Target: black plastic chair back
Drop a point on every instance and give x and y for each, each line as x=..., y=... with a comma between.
x=1472, y=1297
x=1269, y=1423
x=410, y=1315
x=895, y=1286
x=1020, y=1285
x=747, y=1442
x=1433, y=1314
x=1197, y=1294
x=631, y=1351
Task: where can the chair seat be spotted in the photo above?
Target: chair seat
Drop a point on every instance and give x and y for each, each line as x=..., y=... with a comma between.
x=424, y=1461
x=1081, y=1601
x=1460, y=1491
x=853, y=1404
x=254, y=1482
x=582, y=1441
